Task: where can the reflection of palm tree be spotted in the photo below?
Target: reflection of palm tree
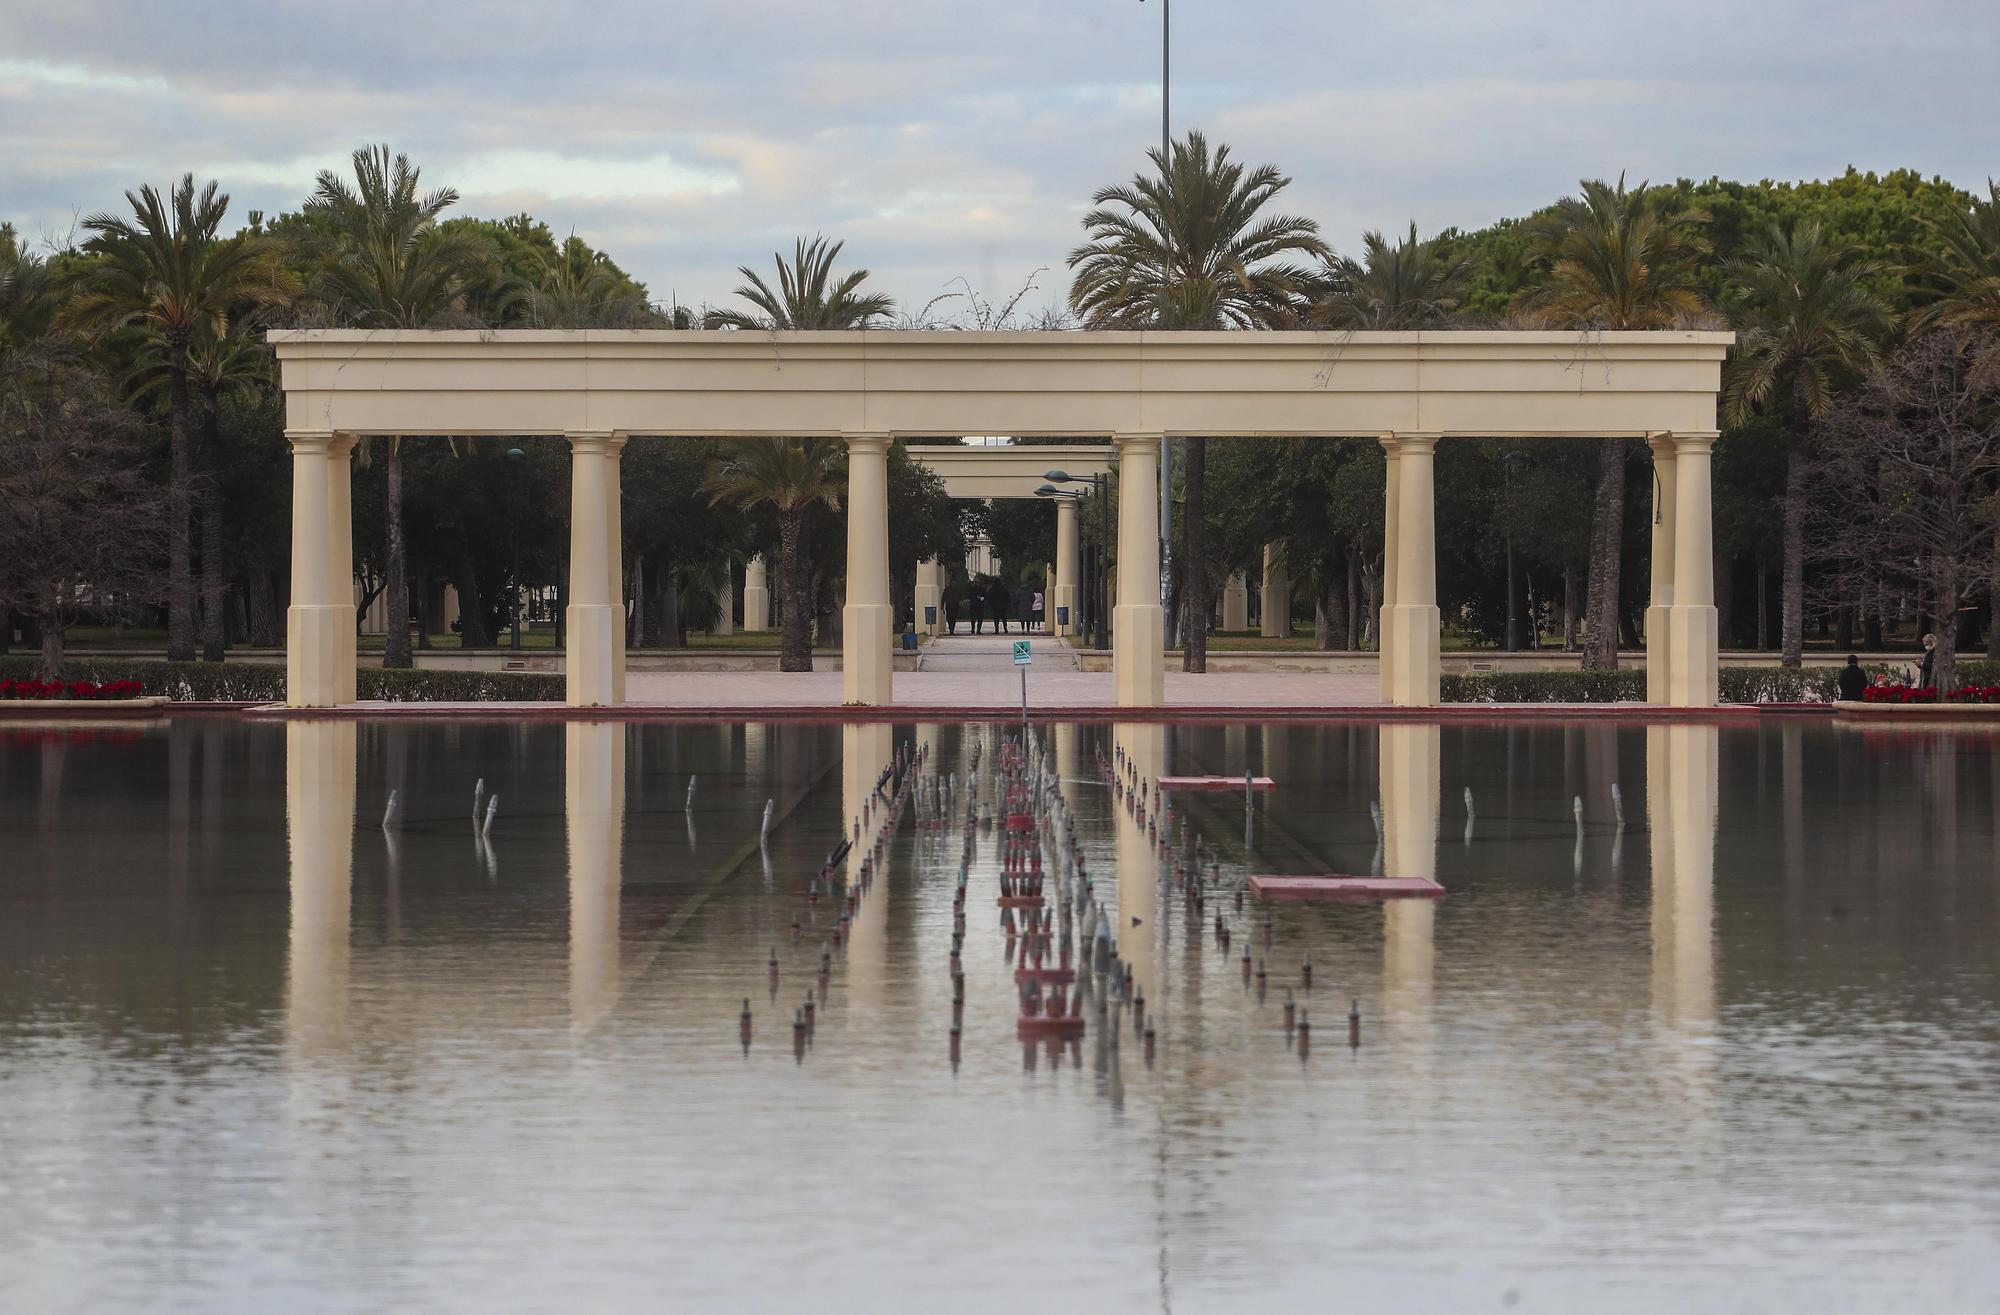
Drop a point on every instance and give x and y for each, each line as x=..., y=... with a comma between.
x=789, y=475
x=1809, y=313
x=1964, y=277
x=1187, y=249
x=1407, y=286
x=167, y=268
x=1615, y=259
x=395, y=268
x=223, y=360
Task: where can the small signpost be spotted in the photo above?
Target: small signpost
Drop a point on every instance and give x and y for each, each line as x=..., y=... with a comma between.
x=1024, y=653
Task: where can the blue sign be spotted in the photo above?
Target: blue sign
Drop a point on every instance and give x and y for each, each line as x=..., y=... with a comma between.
x=1023, y=653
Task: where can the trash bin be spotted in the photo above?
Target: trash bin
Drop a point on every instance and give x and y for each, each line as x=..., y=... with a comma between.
x=909, y=641
x=1062, y=615
x=930, y=616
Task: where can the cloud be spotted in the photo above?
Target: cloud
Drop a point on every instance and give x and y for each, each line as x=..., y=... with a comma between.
x=962, y=139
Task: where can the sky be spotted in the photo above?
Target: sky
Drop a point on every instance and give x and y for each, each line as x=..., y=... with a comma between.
x=954, y=146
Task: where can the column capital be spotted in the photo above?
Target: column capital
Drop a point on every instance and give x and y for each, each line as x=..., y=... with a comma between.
x=866, y=440
x=307, y=440
x=1698, y=442
x=1410, y=440
x=1661, y=442
x=605, y=441
x=1122, y=441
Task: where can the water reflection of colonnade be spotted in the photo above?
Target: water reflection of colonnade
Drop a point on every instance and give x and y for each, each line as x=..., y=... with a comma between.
x=1681, y=801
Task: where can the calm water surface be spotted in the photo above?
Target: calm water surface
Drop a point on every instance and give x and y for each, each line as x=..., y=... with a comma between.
x=259, y=1053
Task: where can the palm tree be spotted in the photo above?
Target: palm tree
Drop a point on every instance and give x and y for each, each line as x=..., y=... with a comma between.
x=1809, y=314
x=26, y=306
x=807, y=296
x=1964, y=276
x=1407, y=286
x=393, y=267
x=789, y=475
x=1189, y=248
x=1615, y=259
x=585, y=291
x=225, y=358
x=169, y=269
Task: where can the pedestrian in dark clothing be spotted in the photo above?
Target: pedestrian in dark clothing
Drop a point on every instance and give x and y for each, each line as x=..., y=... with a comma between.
x=1927, y=673
x=1853, y=680
x=978, y=608
x=950, y=601
x=999, y=602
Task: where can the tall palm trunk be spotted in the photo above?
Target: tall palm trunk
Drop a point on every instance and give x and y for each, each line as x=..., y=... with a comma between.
x=794, y=593
x=1792, y=598
x=180, y=567
x=214, y=582
x=1607, y=542
x=396, y=644
x=1196, y=601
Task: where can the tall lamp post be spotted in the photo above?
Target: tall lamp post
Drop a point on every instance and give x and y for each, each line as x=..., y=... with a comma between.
x=1166, y=444
x=516, y=458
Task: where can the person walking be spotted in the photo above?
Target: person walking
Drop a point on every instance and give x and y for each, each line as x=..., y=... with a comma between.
x=1853, y=680
x=950, y=601
x=999, y=602
x=1036, y=610
x=1927, y=670
x=978, y=598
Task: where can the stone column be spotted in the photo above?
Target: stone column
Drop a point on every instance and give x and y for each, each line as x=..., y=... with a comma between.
x=614, y=536
x=1236, y=603
x=930, y=593
x=1276, y=622
x=1411, y=624
x=1069, y=571
x=594, y=622
x=756, y=596
x=1138, y=622
x=1691, y=666
x=1391, y=514
x=319, y=624
x=867, y=618
x=1659, y=613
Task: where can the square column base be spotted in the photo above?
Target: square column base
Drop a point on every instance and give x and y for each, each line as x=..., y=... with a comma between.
x=1659, y=654
x=864, y=654
x=929, y=595
x=1065, y=596
x=756, y=608
x=595, y=665
x=1410, y=655
x=319, y=655
x=1139, y=655
x=1692, y=662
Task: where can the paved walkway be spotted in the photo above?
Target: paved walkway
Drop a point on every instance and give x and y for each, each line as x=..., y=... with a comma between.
x=977, y=672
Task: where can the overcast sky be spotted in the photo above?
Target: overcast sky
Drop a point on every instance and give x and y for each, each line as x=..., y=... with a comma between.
x=944, y=139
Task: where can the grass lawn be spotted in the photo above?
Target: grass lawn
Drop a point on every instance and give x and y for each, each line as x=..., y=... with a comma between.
x=135, y=639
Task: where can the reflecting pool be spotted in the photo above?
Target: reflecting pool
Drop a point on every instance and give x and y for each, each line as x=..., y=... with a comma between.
x=268, y=1044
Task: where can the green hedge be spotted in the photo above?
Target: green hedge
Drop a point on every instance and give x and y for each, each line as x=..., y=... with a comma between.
x=261, y=682
x=1735, y=684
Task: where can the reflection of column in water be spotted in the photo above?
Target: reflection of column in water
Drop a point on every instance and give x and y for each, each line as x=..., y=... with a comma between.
x=1069, y=755
x=594, y=819
x=319, y=824
x=1681, y=763
x=1138, y=867
x=1409, y=756
x=864, y=753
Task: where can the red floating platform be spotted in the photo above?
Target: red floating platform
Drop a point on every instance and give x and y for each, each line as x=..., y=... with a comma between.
x=1345, y=888
x=1215, y=783
x=1057, y=1025
x=1019, y=901
x=1047, y=976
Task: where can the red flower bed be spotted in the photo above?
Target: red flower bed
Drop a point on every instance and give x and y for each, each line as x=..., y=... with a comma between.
x=82, y=690
x=1908, y=694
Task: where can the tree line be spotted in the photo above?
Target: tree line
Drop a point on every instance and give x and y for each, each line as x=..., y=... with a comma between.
x=1856, y=470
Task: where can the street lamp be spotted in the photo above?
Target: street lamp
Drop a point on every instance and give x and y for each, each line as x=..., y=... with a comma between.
x=516, y=458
